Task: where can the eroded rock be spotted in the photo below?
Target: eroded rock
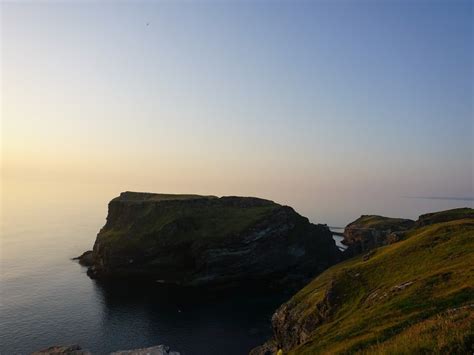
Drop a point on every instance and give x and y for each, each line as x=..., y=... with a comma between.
x=85, y=259
x=154, y=350
x=63, y=350
x=77, y=350
x=370, y=231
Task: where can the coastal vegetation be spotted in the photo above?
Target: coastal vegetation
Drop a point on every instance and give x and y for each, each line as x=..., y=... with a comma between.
x=196, y=240
x=408, y=289
x=413, y=296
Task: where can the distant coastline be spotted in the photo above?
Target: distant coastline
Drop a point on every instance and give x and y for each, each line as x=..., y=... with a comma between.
x=449, y=198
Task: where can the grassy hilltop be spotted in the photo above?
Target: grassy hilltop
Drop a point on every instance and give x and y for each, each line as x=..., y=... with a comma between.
x=415, y=296
x=205, y=241
x=137, y=219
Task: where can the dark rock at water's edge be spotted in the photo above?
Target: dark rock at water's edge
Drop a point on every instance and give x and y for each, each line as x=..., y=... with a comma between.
x=85, y=259
x=193, y=240
x=154, y=350
x=63, y=350
x=77, y=350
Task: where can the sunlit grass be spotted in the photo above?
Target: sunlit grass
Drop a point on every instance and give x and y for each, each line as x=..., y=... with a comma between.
x=405, y=290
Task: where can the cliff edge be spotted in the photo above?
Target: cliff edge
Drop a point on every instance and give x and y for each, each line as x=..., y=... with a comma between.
x=410, y=297
x=194, y=240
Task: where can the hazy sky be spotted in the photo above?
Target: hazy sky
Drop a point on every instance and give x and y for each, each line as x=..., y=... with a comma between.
x=268, y=98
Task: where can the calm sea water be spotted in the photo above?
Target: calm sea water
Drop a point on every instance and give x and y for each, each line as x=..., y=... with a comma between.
x=47, y=299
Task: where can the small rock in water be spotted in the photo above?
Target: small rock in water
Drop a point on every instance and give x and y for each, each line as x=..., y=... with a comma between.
x=77, y=350
x=154, y=350
x=59, y=349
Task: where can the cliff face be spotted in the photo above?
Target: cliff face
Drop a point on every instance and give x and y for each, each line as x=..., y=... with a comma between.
x=369, y=232
x=420, y=288
x=195, y=240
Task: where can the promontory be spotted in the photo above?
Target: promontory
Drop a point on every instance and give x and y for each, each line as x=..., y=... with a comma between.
x=194, y=240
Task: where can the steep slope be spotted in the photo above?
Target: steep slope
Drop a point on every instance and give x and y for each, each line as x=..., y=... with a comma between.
x=196, y=240
x=419, y=288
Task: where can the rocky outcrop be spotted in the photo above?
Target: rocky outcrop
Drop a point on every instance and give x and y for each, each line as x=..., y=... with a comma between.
x=86, y=259
x=290, y=328
x=77, y=350
x=444, y=216
x=370, y=231
x=367, y=304
x=63, y=350
x=193, y=240
x=154, y=350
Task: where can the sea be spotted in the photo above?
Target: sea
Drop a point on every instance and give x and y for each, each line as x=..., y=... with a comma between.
x=47, y=299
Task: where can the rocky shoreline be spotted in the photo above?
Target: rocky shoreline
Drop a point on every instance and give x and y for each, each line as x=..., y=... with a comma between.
x=77, y=350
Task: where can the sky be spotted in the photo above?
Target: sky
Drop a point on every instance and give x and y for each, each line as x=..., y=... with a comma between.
x=288, y=100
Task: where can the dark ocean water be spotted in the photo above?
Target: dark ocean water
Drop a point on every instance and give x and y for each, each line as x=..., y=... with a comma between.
x=47, y=299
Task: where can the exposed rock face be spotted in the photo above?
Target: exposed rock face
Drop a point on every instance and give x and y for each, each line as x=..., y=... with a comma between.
x=195, y=240
x=63, y=350
x=86, y=259
x=154, y=350
x=77, y=350
x=291, y=329
x=269, y=348
x=369, y=232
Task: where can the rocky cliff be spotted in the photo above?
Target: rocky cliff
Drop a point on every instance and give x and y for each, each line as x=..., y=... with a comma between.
x=77, y=350
x=370, y=231
x=196, y=240
x=415, y=296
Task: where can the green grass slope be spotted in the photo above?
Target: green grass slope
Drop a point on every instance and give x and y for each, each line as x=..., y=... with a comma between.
x=131, y=196
x=415, y=296
x=138, y=220
x=378, y=222
x=445, y=216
